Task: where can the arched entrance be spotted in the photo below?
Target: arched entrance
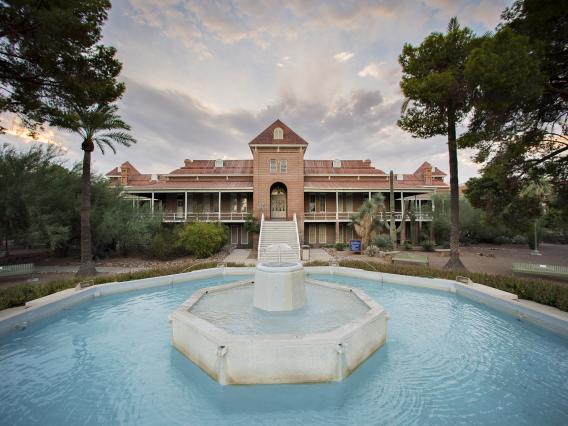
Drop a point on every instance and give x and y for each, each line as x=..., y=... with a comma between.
x=278, y=201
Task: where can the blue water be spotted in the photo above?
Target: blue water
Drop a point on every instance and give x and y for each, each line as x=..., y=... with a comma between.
x=446, y=361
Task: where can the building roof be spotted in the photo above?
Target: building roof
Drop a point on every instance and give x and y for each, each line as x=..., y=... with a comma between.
x=132, y=171
x=266, y=137
x=201, y=167
x=347, y=167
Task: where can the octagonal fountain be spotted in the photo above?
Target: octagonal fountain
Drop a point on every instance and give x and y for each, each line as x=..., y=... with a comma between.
x=281, y=328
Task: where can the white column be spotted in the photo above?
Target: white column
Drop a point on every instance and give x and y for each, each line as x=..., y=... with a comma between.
x=219, y=213
x=152, y=202
x=336, y=205
x=185, y=208
x=369, y=195
x=420, y=208
x=402, y=204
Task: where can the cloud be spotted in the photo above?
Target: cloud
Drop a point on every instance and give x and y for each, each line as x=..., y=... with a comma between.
x=343, y=56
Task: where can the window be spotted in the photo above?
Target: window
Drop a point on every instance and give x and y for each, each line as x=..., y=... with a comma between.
x=243, y=205
x=349, y=202
x=278, y=133
x=322, y=233
x=234, y=234
x=244, y=237
x=206, y=202
x=312, y=233
x=283, y=166
x=312, y=205
x=322, y=202
x=340, y=202
x=234, y=203
x=124, y=175
x=272, y=166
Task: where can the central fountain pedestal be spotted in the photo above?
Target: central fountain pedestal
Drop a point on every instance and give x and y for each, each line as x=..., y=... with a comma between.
x=279, y=286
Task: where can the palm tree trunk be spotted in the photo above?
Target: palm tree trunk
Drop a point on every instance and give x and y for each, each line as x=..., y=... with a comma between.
x=454, y=262
x=87, y=267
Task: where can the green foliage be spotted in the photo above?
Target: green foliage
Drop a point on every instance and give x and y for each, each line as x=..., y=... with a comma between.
x=366, y=221
x=371, y=251
x=50, y=55
x=251, y=224
x=520, y=120
x=383, y=242
x=407, y=245
x=341, y=246
x=540, y=291
x=427, y=245
x=20, y=294
x=203, y=239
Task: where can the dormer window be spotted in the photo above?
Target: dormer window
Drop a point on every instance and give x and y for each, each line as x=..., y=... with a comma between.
x=399, y=176
x=219, y=163
x=278, y=133
x=336, y=164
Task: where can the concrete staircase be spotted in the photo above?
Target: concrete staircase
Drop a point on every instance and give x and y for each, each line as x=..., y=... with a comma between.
x=279, y=232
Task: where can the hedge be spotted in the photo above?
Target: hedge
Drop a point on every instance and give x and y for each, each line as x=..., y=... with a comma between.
x=541, y=291
x=18, y=295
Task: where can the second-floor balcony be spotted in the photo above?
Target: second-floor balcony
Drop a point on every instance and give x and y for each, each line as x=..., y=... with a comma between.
x=204, y=216
x=346, y=216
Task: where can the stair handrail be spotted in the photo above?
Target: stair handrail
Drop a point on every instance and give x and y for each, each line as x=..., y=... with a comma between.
x=297, y=235
x=260, y=235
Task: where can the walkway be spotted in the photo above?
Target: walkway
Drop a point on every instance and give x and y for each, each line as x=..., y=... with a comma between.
x=318, y=254
x=237, y=256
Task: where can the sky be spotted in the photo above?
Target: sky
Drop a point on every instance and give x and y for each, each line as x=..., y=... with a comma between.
x=203, y=78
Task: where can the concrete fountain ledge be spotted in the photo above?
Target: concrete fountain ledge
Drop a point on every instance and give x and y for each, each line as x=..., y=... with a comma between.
x=278, y=358
x=543, y=316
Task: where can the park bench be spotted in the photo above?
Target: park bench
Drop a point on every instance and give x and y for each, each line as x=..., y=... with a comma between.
x=536, y=269
x=410, y=259
x=13, y=270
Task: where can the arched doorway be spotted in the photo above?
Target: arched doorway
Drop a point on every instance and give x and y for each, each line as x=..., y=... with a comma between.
x=278, y=201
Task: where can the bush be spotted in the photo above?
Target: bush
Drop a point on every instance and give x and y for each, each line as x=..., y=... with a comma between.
x=203, y=239
x=407, y=245
x=340, y=246
x=427, y=245
x=540, y=291
x=20, y=294
x=383, y=242
x=371, y=251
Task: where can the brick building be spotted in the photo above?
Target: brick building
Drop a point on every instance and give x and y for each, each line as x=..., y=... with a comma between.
x=279, y=184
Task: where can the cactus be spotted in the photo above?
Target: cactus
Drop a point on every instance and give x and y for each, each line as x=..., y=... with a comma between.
x=391, y=224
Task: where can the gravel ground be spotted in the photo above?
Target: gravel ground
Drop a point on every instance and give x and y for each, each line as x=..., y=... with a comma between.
x=487, y=258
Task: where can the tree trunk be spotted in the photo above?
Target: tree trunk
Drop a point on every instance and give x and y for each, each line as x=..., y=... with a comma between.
x=455, y=261
x=87, y=267
x=392, y=228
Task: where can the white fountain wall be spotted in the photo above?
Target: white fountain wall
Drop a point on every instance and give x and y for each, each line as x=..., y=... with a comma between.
x=279, y=288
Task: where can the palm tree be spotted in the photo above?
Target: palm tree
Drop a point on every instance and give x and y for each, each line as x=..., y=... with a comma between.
x=368, y=220
x=99, y=126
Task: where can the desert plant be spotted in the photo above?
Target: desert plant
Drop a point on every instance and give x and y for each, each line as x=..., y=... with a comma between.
x=371, y=251
x=367, y=221
x=427, y=245
x=383, y=242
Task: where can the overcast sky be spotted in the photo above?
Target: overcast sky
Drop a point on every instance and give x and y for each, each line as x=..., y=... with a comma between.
x=205, y=77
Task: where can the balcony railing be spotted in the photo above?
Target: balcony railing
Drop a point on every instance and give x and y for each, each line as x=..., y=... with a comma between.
x=204, y=216
x=346, y=216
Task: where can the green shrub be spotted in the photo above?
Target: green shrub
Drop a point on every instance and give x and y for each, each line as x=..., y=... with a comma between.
x=427, y=245
x=203, y=239
x=407, y=245
x=340, y=246
x=540, y=291
x=371, y=251
x=383, y=242
x=20, y=294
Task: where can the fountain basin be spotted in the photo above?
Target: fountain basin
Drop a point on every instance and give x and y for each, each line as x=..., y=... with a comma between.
x=232, y=355
x=279, y=286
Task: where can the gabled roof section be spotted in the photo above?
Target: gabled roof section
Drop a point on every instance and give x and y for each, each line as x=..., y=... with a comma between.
x=425, y=166
x=348, y=167
x=266, y=137
x=132, y=171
